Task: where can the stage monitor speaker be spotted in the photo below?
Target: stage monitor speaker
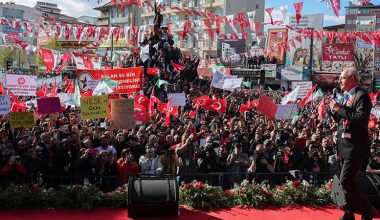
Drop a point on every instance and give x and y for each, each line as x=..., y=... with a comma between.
x=369, y=185
x=153, y=196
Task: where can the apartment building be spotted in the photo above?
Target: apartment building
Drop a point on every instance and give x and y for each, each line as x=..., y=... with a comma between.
x=360, y=18
x=194, y=43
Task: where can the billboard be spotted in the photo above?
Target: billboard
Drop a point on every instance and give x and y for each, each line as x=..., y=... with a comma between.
x=276, y=37
x=336, y=57
x=229, y=50
x=299, y=52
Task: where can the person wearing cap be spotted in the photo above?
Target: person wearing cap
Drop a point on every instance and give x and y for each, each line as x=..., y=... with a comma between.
x=150, y=163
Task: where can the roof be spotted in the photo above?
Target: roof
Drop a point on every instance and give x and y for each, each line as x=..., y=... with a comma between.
x=107, y=5
x=335, y=27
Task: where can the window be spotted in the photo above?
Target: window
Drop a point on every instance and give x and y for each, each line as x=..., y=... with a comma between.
x=257, y=6
x=378, y=20
x=349, y=21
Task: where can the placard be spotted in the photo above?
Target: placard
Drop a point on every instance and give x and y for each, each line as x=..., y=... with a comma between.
x=22, y=120
x=304, y=87
x=285, y=112
x=22, y=85
x=5, y=104
x=122, y=114
x=94, y=107
x=178, y=99
x=49, y=105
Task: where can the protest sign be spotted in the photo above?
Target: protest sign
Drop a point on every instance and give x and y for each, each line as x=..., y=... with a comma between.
x=122, y=114
x=22, y=85
x=178, y=99
x=285, y=112
x=22, y=120
x=94, y=107
x=49, y=105
x=5, y=104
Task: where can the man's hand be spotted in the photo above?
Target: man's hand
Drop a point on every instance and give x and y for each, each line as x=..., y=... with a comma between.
x=334, y=105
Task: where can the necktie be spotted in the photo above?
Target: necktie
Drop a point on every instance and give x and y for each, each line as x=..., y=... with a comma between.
x=346, y=97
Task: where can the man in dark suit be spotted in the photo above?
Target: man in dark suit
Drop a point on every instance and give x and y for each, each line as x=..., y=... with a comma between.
x=352, y=116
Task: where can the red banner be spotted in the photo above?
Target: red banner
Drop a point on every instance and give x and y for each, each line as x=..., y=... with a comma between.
x=129, y=80
x=338, y=52
x=325, y=79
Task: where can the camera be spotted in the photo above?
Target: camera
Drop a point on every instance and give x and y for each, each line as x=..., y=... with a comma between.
x=282, y=137
x=17, y=158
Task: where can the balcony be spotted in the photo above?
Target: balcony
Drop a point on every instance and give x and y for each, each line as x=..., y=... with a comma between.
x=102, y=21
x=211, y=3
x=121, y=20
x=207, y=45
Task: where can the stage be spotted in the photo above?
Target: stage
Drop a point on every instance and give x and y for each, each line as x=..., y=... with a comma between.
x=293, y=213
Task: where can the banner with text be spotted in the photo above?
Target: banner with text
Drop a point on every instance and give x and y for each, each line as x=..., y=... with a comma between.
x=94, y=107
x=22, y=85
x=129, y=79
x=336, y=57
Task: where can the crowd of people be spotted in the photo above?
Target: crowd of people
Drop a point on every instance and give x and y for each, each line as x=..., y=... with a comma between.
x=241, y=145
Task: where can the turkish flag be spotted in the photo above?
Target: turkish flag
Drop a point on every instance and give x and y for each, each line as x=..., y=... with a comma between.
x=308, y=94
x=218, y=106
x=142, y=100
x=87, y=93
x=43, y=91
x=245, y=107
x=48, y=58
x=255, y=103
x=192, y=114
x=267, y=107
x=141, y=114
x=70, y=88
x=178, y=66
x=152, y=71
x=54, y=90
x=373, y=97
x=152, y=100
x=17, y=104
x=163, y=108
x=2, y=91
x=169, y=106
x=202, y=102
x=321, y=110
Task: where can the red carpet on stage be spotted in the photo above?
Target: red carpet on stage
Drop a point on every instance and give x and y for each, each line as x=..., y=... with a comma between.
x=295, y=213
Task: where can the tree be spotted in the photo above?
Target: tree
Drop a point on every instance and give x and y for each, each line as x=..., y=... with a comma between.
x=7, y=53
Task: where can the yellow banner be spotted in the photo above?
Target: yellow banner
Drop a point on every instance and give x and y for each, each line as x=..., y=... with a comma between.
x=22, y=120
x=94, y=107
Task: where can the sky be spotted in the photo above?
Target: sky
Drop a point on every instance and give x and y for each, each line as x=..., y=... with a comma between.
x=77, y=8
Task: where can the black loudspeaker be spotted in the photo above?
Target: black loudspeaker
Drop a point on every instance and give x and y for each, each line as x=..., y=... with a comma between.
x=153, y=196
x=369, y=185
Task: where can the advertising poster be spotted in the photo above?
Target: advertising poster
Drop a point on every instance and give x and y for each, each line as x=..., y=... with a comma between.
x=336, y=57
x=276, y=38
x=299, y=53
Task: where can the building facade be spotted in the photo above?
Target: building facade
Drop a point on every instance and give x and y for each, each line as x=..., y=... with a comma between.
x=51, y=12
x=87, y=20
x=10, y=10
x=194, y=43
x=360, y=18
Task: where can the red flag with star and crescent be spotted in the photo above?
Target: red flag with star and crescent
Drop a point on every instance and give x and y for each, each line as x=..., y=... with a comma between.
x=218, y=105
x=142, y=100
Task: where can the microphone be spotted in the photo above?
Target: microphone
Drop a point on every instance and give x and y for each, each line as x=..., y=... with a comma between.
x=335, y=93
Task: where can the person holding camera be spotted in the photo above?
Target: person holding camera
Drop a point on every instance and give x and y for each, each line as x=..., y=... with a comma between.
x=262, y=161
x=237, y=163
x=126, y=167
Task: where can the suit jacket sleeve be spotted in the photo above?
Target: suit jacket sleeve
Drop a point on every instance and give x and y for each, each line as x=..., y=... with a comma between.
x=358, y=114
